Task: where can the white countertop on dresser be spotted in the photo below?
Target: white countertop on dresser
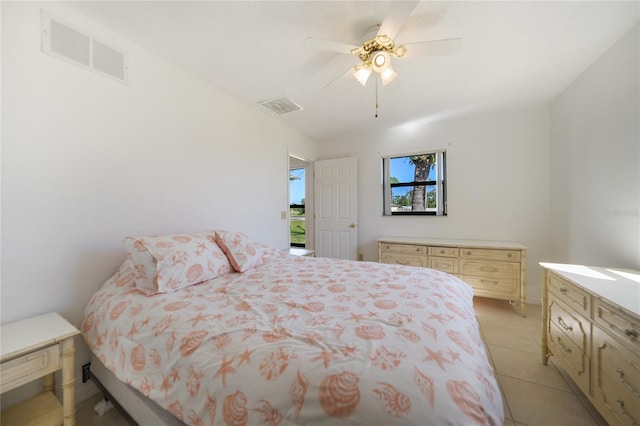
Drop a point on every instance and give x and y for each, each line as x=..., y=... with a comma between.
x=446, y=242
x=618, y=286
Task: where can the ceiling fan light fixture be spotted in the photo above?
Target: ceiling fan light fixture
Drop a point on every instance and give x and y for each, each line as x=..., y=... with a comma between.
x=362, y=73
x=381, y=61
x=388, y=75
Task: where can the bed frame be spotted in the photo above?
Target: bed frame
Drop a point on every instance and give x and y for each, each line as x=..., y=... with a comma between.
x=134, y=406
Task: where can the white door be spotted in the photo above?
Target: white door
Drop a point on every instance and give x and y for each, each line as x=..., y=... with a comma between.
x=336, y=208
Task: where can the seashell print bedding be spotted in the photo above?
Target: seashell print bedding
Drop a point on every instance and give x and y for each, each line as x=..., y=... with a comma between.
x=301, y=341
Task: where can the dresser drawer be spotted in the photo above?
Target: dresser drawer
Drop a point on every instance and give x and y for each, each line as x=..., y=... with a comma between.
x=625, y=328
x=443, y=251
x=28, y=367
x=576, y=327
x=616, y=381
x=490, y=287
x=444, y=264
x=494, y=270
x=399, y=259
x=573, y=296
x=490, y=254
x=574, y=360
x=403, y=248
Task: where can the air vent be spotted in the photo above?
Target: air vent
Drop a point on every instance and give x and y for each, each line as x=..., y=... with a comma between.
x=282, y=105
x=74, y=45
x=108, y=60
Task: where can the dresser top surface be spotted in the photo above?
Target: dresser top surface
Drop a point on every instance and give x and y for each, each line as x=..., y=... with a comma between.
x=446, y=242
x=32, y=333
x=618, y=286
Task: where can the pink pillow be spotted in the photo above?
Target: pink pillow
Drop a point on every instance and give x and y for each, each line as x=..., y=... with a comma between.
x=239, y=249
x=164, y=264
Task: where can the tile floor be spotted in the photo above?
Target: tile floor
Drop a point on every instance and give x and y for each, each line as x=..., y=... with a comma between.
x=533, y=394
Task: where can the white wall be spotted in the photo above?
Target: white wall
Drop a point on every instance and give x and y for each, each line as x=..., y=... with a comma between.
x=498, y=181
x=87, y=161
x=595, y=168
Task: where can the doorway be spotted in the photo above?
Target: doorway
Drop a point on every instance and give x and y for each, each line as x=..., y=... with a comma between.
x=300, y=212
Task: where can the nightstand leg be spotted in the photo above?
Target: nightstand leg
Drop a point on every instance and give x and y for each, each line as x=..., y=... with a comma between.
x=68, y=383
x=50, y=383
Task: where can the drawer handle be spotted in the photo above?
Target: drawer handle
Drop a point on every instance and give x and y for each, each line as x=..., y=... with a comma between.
x=510, y=255
x=488, y=269
x=631, y=333
x=628, y=385
x=624, y=412
x=441, y=251
x=564, y=324
x=562, y=346
x=468, y=253
x=563, y=290
x=417, y=249
x=402, y=262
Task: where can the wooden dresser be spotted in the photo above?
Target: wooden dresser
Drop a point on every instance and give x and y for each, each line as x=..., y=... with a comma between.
x=494, y=269
x=591, y=324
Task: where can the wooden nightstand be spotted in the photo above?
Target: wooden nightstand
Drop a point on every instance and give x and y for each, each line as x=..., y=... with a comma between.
x=31, y=349
x=302, y=252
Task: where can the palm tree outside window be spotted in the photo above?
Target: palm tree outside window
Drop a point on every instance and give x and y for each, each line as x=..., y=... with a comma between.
x=415, y=184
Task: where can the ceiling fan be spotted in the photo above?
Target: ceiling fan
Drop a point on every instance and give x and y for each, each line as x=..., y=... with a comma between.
x=375, y=54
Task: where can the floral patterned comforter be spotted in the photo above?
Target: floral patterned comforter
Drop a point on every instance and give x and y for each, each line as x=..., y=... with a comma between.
x=300, y=340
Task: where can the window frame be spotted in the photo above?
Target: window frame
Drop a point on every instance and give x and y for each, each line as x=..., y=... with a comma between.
x=440, y=183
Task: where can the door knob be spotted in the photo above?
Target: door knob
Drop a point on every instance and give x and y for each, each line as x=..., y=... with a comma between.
x=353, y=225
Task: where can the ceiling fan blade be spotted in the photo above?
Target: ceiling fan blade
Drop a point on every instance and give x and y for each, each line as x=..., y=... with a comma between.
x=396, y=17
x=333, y=46
x=352, y=70
x=447, y=46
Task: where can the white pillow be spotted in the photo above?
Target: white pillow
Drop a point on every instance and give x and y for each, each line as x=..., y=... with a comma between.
x=164, y=264
x=240, y=251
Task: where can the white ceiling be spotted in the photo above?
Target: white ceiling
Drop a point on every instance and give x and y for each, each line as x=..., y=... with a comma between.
x=513, y=54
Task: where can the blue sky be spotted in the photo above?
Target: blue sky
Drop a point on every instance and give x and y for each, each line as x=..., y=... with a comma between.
x=403, y=170
x=296, y=191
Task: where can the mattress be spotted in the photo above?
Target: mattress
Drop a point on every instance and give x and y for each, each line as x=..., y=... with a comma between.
x=300, y=340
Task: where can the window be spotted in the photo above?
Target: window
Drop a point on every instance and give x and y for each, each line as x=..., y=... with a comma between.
x=415, y=184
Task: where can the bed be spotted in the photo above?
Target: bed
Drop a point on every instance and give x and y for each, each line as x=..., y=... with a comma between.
x=293, y=340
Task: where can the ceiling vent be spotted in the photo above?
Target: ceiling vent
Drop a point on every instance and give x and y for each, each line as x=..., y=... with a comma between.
x=282, y=105
x=76, y=46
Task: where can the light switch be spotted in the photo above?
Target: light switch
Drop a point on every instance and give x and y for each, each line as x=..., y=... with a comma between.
x=283, y=215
